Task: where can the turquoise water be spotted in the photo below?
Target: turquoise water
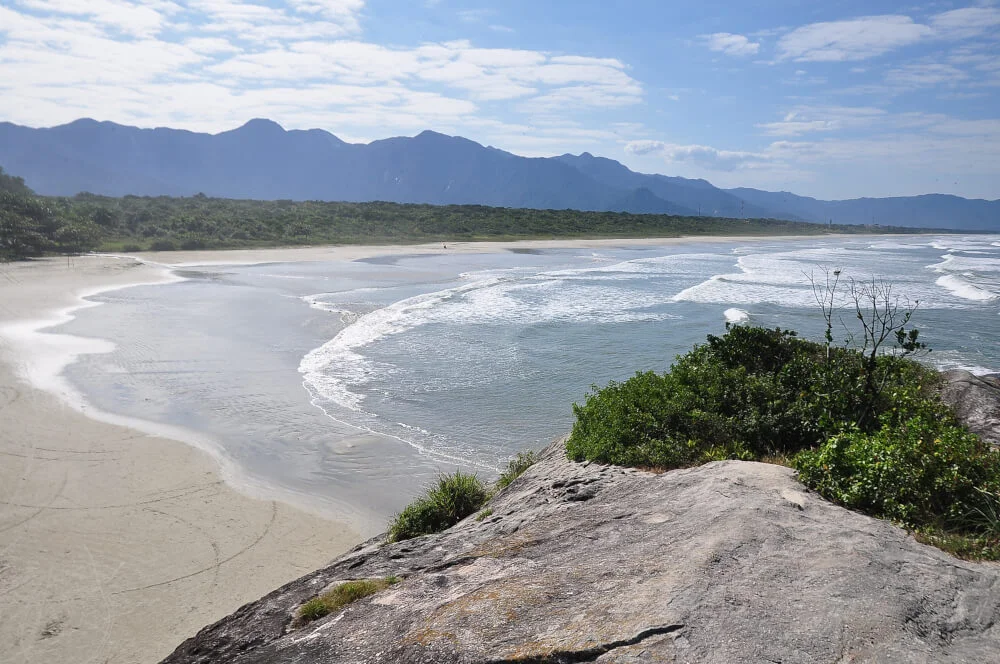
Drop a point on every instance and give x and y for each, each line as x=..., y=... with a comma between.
x=351, y=384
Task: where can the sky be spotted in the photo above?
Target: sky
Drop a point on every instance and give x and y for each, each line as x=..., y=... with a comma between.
x=834, y=99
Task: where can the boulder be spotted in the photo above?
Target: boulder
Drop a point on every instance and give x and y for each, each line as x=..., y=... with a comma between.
x=728, y=562
x=976, y=401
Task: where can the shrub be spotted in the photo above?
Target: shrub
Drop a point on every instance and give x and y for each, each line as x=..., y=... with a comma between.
x=515, y=468
x=751, y=393
x=341, y=596
x=448, y=501
x=893, y=450
x=131, y=248
x=924, y=471
x=163, y=245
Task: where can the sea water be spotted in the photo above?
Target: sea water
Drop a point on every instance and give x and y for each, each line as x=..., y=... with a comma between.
x=349, y=385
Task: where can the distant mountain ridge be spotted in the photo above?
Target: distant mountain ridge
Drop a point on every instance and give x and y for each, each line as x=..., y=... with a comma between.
x=264, y=161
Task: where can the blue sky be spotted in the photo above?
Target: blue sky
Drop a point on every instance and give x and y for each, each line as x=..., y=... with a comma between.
x=838, y=99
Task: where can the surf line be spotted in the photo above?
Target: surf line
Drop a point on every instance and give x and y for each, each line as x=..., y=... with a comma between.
x=316, y=400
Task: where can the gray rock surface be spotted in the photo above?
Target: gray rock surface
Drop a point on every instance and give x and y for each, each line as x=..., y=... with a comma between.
x=730, y=562
x=976, y=401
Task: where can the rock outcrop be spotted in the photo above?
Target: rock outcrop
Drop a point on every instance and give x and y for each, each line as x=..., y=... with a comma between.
x=729, y=562
x=976, y=401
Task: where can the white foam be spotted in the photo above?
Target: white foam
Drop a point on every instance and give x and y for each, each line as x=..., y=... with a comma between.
x=40, y=357
x=336, y=364
x=957, y=263
x=961, y=243
x=889, y=245
x=964, y=289
x=779, y=278
x=658, y=265
x=734, y=315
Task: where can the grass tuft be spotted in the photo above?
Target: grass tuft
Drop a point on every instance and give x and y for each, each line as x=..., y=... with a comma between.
x=341, y=596
x=515, y=468
x=445, y=503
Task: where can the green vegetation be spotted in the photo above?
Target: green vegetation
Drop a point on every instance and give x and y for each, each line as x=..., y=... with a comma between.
x=866, y=430
x=13, y=185
x=31, y=225
x=341, y=596
x=211, y=223
x=445, y=503
x=451, y=499
x=515, y=468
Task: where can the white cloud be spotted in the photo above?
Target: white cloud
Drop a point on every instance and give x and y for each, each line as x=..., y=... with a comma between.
x=703, y=156
x=300, y=19
x=129, y=18
x=855, y=39
x=967, y=22
x=810, y=119
x=475, y=15
x=921, y=75
x=210, y=65
x=211, y=45
x=871, y=36
x=731, y=44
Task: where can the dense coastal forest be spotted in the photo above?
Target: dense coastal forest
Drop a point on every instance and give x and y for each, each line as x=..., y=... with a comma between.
x=33, y=225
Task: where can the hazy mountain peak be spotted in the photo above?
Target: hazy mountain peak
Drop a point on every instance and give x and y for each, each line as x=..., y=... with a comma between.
x=261, y=125
x=431, y=134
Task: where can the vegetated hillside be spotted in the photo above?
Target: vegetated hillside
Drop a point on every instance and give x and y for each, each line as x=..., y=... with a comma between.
x=927, y=211
x=10, y=184
x=201, y=222
x=32, y=225
x=260, y=160
x=696, y=196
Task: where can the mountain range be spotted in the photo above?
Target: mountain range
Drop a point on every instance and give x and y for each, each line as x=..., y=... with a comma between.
x=261, y=160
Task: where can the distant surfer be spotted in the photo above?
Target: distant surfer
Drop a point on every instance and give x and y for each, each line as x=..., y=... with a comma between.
x=444, y=246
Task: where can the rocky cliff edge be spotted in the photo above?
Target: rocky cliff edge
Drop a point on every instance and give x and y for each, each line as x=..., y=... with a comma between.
x=729, y=562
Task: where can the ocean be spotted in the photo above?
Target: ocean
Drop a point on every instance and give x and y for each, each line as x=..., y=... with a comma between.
x=346, y=386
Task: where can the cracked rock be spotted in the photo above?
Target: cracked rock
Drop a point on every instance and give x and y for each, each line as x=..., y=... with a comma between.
x=730, y=562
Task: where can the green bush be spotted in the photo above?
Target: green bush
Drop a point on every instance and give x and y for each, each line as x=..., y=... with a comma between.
x=924, y=471
x=341, y=596
x=515, y=468
x=750, y=393
x=448, y=501
x=894, y=452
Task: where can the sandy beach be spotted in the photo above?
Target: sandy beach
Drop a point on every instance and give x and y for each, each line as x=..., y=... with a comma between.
x=115, y=543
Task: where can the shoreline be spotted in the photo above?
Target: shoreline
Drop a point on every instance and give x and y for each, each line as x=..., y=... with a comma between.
x=106, y=530
x=219, y=257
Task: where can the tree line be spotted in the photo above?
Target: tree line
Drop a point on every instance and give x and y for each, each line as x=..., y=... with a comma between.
x=32, y=225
